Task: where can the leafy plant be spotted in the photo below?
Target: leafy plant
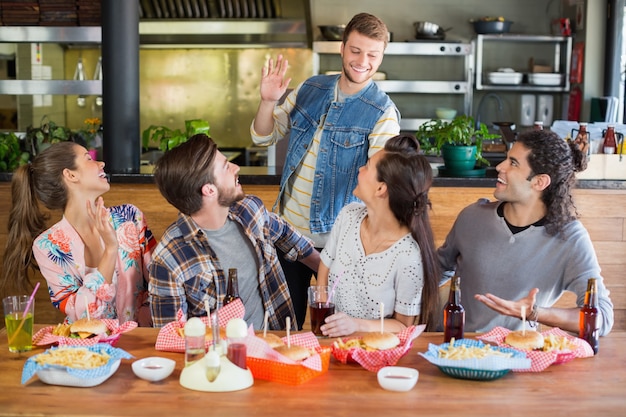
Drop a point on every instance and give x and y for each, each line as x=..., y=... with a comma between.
x=460, y=131
x=11, y=153
x=170, y=138
x=39, y=138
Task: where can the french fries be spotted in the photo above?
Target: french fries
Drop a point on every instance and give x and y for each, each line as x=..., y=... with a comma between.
x=61, y=330
x=464, y=352
x=352, y=343
x=79, y=358
x=559, y=343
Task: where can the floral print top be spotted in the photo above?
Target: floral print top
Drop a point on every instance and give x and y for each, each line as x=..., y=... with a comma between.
x=75, y=288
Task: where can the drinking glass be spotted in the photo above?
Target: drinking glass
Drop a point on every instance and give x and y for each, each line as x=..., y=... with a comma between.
x=320, y=307
x=19, y=322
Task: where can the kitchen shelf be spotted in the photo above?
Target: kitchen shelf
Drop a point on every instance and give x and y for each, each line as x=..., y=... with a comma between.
x=58, y=87
x=462, y=87
x=51, y=34
x=561, y=60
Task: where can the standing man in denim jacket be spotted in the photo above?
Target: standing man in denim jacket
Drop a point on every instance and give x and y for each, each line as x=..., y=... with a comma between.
x=333, y=124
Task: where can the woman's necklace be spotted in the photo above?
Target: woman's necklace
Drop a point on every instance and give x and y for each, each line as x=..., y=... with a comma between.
x=372, y=245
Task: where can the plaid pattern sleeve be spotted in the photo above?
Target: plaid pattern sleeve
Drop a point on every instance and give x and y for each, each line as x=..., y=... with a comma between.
x=182, y=273
x=267, y=231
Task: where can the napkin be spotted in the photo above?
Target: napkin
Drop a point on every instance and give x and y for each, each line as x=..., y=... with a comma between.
x=170, y=340
x=375, y=360
x=45, y=337
x=541, y=360
x=31, y=366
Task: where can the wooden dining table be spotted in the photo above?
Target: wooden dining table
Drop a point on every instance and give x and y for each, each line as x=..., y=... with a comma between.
x=593, y=386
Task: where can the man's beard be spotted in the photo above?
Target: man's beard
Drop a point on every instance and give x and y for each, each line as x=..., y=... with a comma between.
x=227, y=198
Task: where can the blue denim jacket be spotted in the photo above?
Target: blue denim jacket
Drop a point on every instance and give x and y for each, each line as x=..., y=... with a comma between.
x=344, y=143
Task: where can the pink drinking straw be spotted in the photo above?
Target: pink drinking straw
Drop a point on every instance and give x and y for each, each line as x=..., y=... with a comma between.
x=332, y=290
x=30, y=301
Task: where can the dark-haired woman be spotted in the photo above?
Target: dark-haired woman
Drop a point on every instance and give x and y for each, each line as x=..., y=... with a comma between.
x=94, y=259
x=382, y=250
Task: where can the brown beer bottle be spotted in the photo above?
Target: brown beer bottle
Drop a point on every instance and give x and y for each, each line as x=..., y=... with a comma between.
x=588, y=323
x=610, y=145
x=453, y=312
x=232, y=290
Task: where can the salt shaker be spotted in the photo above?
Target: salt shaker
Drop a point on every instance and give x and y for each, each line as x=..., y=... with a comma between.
x=195, y=331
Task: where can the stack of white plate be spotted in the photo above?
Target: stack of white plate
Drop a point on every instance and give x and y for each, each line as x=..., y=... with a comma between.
x=546, y=79
x=506, y=78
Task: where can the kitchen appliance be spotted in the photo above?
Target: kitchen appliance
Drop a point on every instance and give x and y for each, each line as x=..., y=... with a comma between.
x=528, y=109
x=332, y=32
x=545, y=108
x=491, y=26
x=429, y=30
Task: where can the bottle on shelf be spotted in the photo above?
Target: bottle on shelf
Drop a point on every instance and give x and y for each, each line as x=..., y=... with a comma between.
x=588, y=322
x=582, y=138
x=232, y=290
x=453, y=312
x=609, y=146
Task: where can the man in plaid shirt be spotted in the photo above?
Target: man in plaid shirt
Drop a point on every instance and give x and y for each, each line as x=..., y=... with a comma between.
x=218, y=228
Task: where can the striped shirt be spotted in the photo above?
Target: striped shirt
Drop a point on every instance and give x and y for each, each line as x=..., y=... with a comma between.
x=297, y=198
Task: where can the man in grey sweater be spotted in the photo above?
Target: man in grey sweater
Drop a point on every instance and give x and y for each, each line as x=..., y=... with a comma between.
x=526, y=248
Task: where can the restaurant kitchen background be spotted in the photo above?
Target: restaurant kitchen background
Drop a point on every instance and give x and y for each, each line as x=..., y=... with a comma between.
x=217, y=77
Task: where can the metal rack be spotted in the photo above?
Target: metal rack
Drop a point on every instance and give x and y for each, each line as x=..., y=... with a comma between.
x=561, y=60
x=51, y=34
x=416, y=86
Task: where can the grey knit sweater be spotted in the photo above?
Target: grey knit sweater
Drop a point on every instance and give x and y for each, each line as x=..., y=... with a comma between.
x=490, y=258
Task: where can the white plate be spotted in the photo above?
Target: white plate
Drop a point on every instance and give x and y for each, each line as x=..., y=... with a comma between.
x=547, y=79
x=60, y=376
x=508, y=78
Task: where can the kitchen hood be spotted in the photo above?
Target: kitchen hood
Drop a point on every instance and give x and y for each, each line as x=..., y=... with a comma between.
x=225, y=23
x=284, y=33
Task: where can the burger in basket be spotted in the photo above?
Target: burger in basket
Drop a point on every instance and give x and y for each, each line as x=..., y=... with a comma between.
x=376, y=349
x=87, y=328
x=81, y=329
x=524, y=339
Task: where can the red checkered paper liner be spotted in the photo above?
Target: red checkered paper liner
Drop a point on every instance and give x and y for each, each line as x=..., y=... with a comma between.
x=170, y=340
x=45, y=337
x=541, y=360
x=259, y=348
x=375, y=360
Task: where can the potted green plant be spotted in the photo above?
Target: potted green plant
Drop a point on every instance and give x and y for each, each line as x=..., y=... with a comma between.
x=167, y=138
x=11, y=153
x=39, y=138
x=459, y=141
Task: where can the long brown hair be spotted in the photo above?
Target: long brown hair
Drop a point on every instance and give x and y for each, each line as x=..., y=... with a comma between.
x=551, y=155
x=41, y=181
x=408, y=177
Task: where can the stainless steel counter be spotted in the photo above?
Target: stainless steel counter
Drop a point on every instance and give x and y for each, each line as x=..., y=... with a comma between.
x=258, y=175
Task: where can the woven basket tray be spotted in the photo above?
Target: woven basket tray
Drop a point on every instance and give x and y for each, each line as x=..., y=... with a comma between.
x=286, y=373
